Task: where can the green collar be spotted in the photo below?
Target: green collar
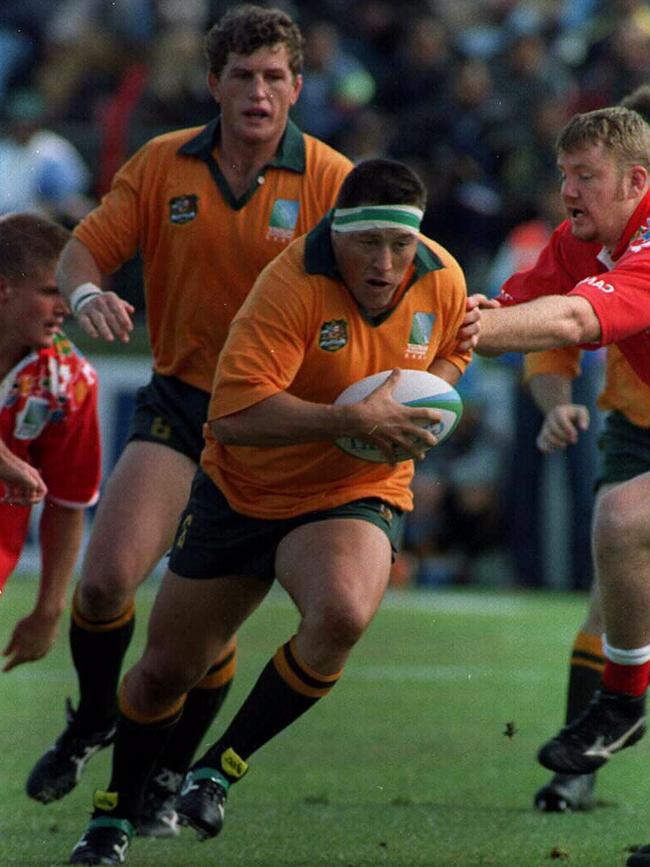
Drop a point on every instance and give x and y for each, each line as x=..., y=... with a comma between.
x=290, y=154
x=319, y=259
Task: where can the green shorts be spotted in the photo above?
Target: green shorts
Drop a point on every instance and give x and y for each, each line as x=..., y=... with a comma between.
x=624, y=448
x=213, y=540
x=170, y=412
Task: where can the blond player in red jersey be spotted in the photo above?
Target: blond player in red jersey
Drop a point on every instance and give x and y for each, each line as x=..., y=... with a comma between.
x=49, y=430
x=604, y=158
x=207, y=208
x=275, y=497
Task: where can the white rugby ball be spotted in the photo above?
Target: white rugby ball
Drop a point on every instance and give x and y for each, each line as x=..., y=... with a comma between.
x=414, y=388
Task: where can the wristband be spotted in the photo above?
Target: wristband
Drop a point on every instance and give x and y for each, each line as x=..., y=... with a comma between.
x=81, y=295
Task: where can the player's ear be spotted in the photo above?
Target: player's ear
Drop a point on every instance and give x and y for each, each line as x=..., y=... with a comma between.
x=297, y=87
x=639, y=180
x=213, y=86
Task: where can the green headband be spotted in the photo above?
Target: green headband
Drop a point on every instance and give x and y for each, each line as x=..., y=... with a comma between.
x=365, y=217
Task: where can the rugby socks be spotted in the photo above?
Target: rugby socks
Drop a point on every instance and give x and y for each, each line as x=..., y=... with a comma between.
x=585, y=673
x=286, y=688
x=627, y=670
x=139, y=741
x=98, y=649
x=201, y=707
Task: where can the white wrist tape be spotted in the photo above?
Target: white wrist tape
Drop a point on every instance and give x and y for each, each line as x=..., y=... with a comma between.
x=81, y=295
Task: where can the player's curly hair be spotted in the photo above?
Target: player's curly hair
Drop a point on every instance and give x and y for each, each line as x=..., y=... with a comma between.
x=381, y=182
x=621, y=130
x=28, y=242
x=244, y=29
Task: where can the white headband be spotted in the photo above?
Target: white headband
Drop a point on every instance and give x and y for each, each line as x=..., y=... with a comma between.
x=365, y=217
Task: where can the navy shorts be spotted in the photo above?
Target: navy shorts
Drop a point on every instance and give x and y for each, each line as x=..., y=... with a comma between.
x=172, y=413
x=624, y=448
x=213, y=540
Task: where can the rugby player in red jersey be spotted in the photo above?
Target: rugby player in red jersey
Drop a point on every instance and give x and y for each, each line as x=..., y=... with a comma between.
x=49, y=432
x=604, y=160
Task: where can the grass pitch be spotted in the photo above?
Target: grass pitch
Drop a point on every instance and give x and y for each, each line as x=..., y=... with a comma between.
x=407, y=763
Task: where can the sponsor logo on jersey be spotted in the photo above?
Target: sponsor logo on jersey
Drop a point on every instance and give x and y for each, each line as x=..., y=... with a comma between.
x=597, y=283
x=183, y=209
x=333, y=335
x=284, y=216
x=32, y=418
x=420, y=335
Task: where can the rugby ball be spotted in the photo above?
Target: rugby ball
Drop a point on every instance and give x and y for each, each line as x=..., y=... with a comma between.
x=414, y=388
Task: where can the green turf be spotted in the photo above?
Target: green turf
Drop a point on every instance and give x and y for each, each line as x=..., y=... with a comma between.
x=405, y=764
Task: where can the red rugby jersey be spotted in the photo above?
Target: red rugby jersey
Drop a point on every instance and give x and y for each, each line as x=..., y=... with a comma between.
x=617, y=287
x=48, y=417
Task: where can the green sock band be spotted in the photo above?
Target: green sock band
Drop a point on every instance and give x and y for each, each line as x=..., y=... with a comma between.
x=113, y=822
x=206, y=773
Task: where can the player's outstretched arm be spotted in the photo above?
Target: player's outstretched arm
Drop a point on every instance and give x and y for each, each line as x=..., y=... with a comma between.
x=100, y=314
x=60, y=531
x=545, y=323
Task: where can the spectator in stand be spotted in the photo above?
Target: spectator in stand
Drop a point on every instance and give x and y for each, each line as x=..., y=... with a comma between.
x=22, y=26
x=371, y=31
x=464, y=132
x=618, y=60
x=336, y=85
x=526, y=73
x=365, y=136
x=88, y=46
x=529, y=172
x=175, y=94
x=39, y=169
x=421, y=67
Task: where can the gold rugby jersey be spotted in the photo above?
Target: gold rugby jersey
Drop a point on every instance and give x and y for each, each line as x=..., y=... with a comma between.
x=202, y=249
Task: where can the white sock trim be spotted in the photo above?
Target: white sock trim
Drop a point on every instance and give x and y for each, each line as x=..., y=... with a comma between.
x=628, y=656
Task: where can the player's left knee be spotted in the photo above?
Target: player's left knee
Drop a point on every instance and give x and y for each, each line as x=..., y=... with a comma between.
x=342, y=626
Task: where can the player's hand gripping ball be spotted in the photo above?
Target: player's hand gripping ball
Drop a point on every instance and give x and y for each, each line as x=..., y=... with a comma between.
x=414, y=388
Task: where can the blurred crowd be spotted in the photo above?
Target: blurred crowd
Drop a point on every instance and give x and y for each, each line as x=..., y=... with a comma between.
x=471, y=93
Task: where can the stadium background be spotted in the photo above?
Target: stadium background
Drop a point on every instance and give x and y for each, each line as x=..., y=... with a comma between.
x=470, y=93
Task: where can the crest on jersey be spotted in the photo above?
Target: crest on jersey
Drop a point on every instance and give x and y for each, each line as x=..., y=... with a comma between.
x=420, y=335
x=32, y=418
x=333, y=335
x=183, y=209
x=284, y=216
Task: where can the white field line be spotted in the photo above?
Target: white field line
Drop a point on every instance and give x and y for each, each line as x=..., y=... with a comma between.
x=459, y=674
x=435, y=601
